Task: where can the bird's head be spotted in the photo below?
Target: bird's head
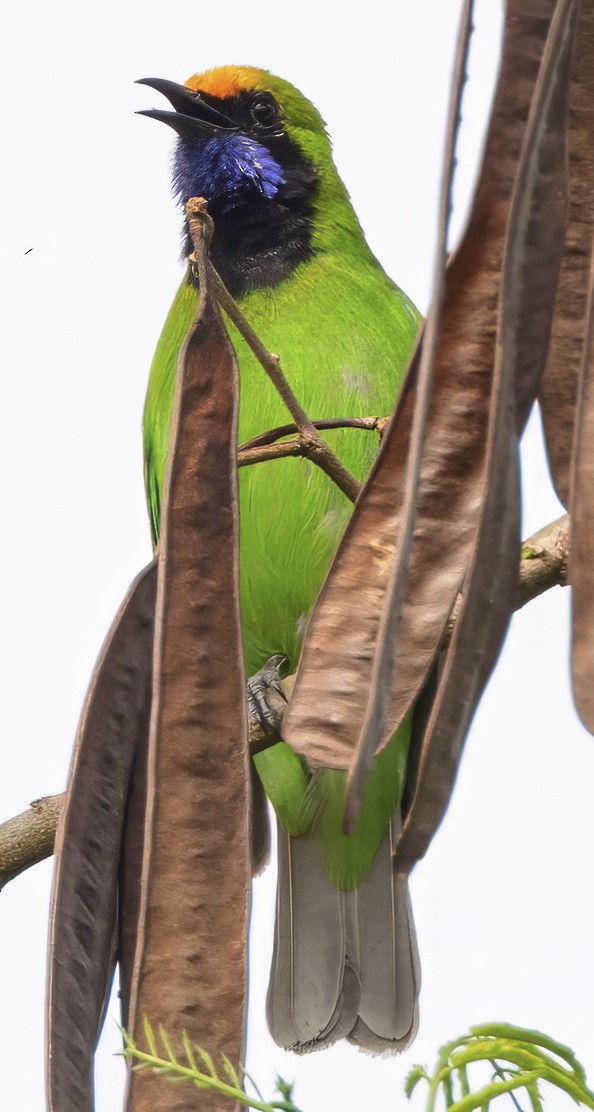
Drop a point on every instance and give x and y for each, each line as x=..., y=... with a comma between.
x=258, y=151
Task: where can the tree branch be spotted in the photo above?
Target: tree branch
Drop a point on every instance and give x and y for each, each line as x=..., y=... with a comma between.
x=543, y=561
x=29, y=837
x=543, y=564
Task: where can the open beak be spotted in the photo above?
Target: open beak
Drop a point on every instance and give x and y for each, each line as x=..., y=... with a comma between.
x=192, y=115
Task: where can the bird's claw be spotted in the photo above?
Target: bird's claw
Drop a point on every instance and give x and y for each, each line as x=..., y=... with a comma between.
x=267, y=712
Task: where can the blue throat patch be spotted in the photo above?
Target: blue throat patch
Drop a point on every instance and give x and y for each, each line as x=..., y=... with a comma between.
x=226, y=169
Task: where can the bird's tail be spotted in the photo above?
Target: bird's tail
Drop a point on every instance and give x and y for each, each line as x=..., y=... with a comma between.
x=345, y=963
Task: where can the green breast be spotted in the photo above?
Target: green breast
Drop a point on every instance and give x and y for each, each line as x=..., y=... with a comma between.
x=344, y=333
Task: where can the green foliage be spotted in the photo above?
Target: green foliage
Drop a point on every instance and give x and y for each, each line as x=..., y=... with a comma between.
x=520, y=1059
x=163, y=1061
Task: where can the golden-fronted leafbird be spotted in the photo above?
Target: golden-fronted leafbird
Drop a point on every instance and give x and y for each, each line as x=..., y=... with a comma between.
x=289, y=247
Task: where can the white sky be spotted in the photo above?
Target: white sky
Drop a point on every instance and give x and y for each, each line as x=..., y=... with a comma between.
x=503, y=902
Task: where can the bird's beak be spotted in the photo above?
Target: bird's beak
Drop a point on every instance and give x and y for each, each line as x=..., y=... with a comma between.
x=192, y=115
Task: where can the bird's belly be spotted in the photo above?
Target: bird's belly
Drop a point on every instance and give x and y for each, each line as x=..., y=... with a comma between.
x=292, y=515
x=291, y=520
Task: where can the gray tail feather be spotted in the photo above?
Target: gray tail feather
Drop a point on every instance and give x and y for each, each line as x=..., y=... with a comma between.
x=314, y=993
x=388, y=960
x=345, y=964
x=259, y=824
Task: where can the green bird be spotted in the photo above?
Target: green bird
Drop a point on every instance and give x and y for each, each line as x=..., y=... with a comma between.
x=289, y=247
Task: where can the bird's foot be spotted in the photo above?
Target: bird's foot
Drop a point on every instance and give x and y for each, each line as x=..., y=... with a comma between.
x=267, y=700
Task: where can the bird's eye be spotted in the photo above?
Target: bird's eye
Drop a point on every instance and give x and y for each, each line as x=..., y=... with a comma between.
x=265, y=114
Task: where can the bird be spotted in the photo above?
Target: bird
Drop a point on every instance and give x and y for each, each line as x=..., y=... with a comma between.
x=290, y=249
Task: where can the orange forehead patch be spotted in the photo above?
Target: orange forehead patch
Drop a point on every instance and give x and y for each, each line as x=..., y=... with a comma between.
x=226, y=81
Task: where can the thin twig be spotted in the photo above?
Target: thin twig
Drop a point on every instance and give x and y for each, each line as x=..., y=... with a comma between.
x=200, y=225
x=298, y=447
x=264, y=447
x=319, y=450
x=373, y=424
